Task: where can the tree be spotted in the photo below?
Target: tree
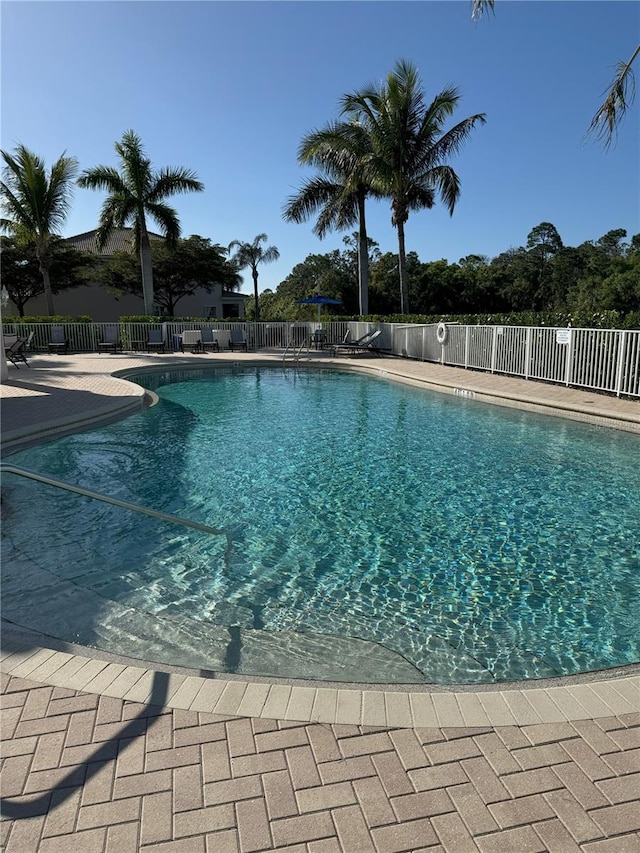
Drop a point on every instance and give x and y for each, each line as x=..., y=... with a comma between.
x=409, y=148
x=36, y=204
x=251, y=255
x=135, y=192
x=611, y=243
x=21, y=270
x=192, y=264
x=619, y=95
x=340, y=151
x=543, y=243
x=336, y=275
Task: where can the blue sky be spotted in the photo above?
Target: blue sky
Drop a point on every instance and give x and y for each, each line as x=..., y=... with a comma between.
x=229, y=88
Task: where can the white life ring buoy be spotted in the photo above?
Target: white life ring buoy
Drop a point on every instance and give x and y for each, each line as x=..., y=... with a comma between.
x=442, y=333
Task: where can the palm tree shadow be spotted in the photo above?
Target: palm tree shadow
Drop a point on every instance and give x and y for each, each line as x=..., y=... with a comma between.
x=80, y=774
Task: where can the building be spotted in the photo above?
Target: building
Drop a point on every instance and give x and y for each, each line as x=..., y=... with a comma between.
x=103, y=305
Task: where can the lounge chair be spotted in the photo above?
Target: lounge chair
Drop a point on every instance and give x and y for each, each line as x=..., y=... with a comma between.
x=363, y=344
x=155, y=340
x=58, y=342
x=237, y=338
x=110, y=339
x=209, y=339
x=192, y=338
x=16, y=351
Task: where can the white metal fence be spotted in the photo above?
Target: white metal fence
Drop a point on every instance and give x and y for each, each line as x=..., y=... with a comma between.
x=598, y=359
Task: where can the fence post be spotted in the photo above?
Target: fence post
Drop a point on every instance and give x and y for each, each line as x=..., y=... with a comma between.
x=568, y=367
x=467, y=333
x=527, y=352
x=620, y=367
x=494, y=346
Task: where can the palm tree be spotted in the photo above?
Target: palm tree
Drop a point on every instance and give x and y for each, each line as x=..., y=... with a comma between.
x=409, y=148
x=250, y=255
x=340, y=151
x=135, y=192
x=36, y=204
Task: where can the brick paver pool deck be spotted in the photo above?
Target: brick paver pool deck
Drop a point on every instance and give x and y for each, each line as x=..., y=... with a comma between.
x=106, y=754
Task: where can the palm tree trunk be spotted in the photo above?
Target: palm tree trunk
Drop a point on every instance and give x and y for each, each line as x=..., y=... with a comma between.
x=402, y=270
x=363, y=261
x=147, y=274
x=254, y=273
x=44, y=269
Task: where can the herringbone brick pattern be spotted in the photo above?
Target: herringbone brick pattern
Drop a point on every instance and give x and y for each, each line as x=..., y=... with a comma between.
x=91, y=774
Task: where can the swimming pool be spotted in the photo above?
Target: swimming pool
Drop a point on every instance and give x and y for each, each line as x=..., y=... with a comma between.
x=379, y=533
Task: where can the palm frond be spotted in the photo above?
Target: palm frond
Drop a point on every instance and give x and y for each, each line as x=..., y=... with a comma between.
x=449, y=143
x=37, y=201
x=102, y=178
x=479, y=7
x=170, y=181
x=620, y=95
x=448, y=185
x=167, y=219
x=337, y=209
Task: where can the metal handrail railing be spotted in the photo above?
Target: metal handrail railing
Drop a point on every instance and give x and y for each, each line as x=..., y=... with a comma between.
x=298, y=353
x=7, y=468
x=286, y=350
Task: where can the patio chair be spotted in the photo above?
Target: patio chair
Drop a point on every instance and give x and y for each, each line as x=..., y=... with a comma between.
x=192, y=338
x=363, y=344
x=16, y=351
x=155, y=341
x=210, y=339
x=110, y=339
x=58, y=341
x=237, y=338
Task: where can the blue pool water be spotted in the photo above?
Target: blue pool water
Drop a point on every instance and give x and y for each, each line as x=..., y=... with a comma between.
x=379, y=533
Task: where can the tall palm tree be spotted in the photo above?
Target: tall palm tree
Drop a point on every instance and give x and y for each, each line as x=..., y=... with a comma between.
x=340, y=151
x=250, y=255
x=36, y=204
x=410, y=148
x=135, y=192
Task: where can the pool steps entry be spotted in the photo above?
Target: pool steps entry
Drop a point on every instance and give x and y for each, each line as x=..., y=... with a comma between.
x=6, y=468
x=297, y=352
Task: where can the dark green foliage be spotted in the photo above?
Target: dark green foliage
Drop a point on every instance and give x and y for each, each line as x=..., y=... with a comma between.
x=56, y=318
x=595, y=284
x=22, y=276
x=193, y=263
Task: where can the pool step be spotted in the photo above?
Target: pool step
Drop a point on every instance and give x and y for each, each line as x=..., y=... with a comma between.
x=39, y=600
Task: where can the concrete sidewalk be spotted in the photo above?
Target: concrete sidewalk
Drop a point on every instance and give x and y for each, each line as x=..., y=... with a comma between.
x=103, y=756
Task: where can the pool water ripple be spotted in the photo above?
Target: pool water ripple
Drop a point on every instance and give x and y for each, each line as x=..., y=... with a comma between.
x=477, y=543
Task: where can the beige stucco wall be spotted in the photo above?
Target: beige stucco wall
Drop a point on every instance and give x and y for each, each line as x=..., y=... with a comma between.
x=102, y=306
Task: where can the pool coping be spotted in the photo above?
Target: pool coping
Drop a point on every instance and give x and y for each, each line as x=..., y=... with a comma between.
x=588, y=695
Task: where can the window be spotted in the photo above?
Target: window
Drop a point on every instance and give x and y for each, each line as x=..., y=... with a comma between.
x=230, y=310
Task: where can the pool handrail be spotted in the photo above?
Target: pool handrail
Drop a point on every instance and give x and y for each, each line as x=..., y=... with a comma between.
x=8, y=468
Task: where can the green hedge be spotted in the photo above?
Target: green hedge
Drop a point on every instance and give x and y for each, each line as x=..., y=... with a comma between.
x=56, y=318
x=562, y=319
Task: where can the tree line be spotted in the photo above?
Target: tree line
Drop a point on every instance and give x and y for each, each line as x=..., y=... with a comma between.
x=543, y=276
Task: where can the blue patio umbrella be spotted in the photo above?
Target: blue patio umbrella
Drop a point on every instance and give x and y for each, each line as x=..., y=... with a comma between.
x=319, y=300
